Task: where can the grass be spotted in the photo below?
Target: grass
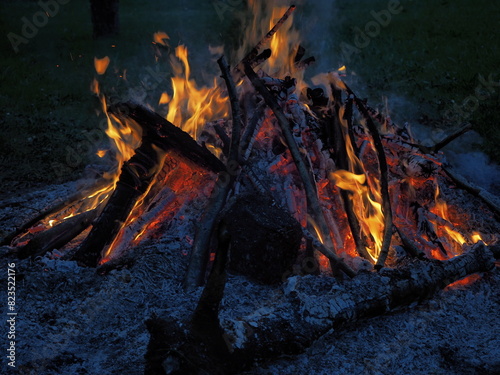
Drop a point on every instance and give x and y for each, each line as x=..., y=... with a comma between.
x=429, y=56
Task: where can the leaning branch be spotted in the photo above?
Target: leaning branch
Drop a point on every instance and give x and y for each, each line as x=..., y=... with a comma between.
x=199, y=255
x=491, y=200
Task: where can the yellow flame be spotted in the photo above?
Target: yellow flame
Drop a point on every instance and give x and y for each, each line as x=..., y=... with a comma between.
x=101, y=64
x=161, y=37
x=164, y=98
x=191, y=106
x=101, y=153
x=441, y=209
x=283, y=43
x=367, y=210
x=476, y=237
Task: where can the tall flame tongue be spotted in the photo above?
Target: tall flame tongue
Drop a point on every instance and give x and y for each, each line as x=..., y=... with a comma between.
x=190, y=107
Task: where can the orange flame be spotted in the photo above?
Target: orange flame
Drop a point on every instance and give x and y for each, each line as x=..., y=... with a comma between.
x=441, y=208
x=191, y=107
x=101, y=65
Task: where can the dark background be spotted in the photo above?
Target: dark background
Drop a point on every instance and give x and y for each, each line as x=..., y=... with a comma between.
x=426, y=62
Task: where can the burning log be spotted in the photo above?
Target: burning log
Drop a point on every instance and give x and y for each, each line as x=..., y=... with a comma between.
x=53, y=209
x=384, y=184
x=137, y=175
x=135, y=179
x=307, y=308
x=59, y=235
x=341, y=160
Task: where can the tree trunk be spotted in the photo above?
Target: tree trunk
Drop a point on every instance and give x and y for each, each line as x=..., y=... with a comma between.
x=105, y=20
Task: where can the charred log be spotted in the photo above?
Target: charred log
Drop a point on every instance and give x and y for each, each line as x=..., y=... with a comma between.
x=308, y=308
x=53, y=209
x=58, y=236
x=264, y=239
x=136, y=176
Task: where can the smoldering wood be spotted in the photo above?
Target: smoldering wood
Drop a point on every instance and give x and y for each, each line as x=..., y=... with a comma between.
x=409, y=245
x=249, y=134
x=59, y=235
x=313, y=205
x=307, y=308
x=226, y=141
x=54, y=209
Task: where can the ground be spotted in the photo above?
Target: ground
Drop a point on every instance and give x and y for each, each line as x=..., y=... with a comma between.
x=72, y=321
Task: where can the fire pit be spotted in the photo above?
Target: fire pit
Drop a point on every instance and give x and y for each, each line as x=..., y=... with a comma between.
x=323, y=211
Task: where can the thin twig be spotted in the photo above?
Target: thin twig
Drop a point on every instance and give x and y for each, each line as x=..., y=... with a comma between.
x=438, y=146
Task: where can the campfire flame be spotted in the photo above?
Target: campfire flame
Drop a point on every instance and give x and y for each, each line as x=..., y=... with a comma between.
x=190, y=106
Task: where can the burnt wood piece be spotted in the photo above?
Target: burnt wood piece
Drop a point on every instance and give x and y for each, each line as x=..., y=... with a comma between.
x=58, y=236
x=308, y=308
x=167, y=136
x=226, y=141
x=56, y=207
x=261, y=57
x=136, y=176
x=265, y=239
x=305, y=63
x=314, y=208
x=409, y=245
